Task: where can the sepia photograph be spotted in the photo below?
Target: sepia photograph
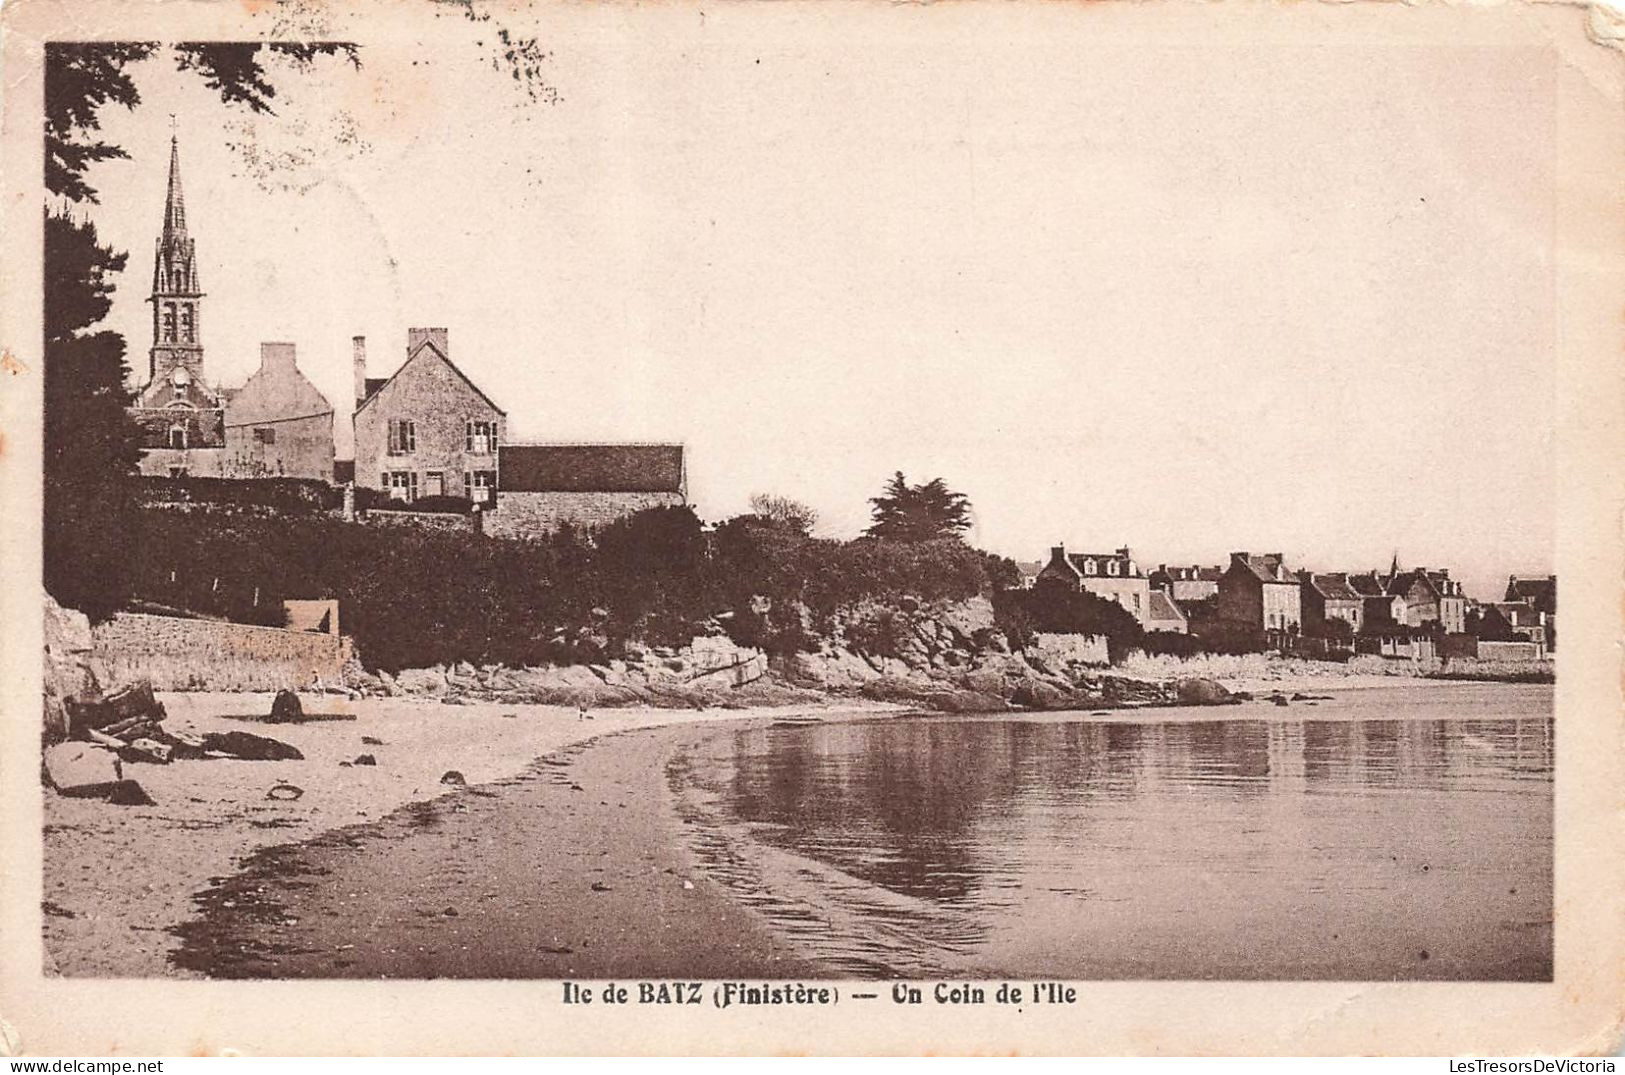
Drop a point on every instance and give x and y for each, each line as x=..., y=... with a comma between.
x=736, y=500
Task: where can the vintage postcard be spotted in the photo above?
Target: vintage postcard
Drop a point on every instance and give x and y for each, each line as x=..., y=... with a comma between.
x=812, y=526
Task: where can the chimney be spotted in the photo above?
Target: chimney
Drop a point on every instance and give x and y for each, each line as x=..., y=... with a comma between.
x=1057, y=554
x=277, y=356
x=358, y=349
x=437, y=336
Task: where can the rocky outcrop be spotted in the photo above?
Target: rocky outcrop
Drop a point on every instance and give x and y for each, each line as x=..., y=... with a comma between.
x=70, y=674
x=947, y=656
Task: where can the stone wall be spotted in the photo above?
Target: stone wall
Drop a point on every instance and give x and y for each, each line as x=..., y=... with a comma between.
x=181, y=654
x=520, y=515
x=447, y=522
x=1511, y=651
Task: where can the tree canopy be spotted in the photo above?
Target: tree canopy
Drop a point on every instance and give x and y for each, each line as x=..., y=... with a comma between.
x=923, y=512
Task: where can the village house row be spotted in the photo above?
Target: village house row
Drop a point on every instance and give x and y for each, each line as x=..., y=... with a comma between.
x=425, y=431
x=1258, y=594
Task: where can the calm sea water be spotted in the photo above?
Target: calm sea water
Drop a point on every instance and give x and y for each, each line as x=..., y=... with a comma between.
x=1388, y=833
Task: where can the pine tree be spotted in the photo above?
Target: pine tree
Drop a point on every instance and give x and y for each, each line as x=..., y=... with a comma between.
x=925, y=512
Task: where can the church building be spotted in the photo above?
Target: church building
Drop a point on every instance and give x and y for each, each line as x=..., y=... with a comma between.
x=276, y=425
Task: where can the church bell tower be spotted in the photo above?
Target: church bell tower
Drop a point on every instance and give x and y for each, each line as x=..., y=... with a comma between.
x=176, y=359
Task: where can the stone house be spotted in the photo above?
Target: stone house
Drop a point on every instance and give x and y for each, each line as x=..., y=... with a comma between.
x=1540, y=592
x=427, y=430
x=1330, y=597
x=544, y=486
x=278, y=425
x=1114, y=576
x=1517, y=621
x=1430, y=597
x=1184, y=584
x=1258, y=593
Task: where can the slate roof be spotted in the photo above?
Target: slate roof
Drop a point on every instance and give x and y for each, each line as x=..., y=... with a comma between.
x=1401, y=583
x=426, y=345
x=1162, y=609
x=590, y=468
x=1366, y=585
x=1265, y=567
x=1540, y=592
x=1333, y=587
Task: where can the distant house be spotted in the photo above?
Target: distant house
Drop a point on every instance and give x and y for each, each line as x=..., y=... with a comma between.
x=1331, y=597
x=1430, y=597
x=1164, y=614
x=1258, y=593
x=1517, y=621
x=1114, y=576
x=427, y=430
x=1187, y=583
x=1028, y=571
x=544, y=486
x=1538, y=592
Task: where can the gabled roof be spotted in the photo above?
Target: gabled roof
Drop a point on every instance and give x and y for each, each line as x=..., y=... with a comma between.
x=1403, y=583
x=1267, y=568
x=1333, y=586
x=427, y=345
x=1162, y=608
x=1541, y=592
x=1366, y=585
x=590, y=468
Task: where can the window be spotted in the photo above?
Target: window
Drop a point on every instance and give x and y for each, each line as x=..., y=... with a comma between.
x=177, y=437
x=1089, y=567
x=403, y=436
x=264, y=435
x=1111, y=567
x=434, y=483
x=402, y=485
x=480, y=485
x=169, y=321
x=480, y=438
x=187, y=330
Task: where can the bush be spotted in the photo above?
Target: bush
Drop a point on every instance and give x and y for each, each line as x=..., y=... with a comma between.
x=1054, y=607
x=413, y=597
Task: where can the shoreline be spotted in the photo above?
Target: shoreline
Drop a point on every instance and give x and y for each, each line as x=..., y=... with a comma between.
x=117, y=879
x=212, y=820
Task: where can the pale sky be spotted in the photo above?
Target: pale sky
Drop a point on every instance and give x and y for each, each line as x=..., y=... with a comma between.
x=1191, y=300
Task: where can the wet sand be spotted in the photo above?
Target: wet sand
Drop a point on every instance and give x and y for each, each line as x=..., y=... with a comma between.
x=576, y=868
x=118, y=879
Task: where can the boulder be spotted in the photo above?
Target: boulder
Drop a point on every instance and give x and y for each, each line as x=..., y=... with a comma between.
x=1036, y=694
x=82, y=769
x=1203, y=692
x=250, y=747
x=286, y=708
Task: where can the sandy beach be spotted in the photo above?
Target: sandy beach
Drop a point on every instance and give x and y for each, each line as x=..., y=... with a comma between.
x=118, y=878
x=120, y=881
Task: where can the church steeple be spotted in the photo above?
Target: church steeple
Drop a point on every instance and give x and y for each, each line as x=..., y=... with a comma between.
x=177, y=331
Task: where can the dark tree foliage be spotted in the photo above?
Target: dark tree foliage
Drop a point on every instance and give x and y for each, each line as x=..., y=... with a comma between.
x=782, y=511
x=89, y=445
x=83, y=76
x=925, y=512
x=236, y=71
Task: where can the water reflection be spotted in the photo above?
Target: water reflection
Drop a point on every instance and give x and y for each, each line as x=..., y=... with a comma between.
x=1353, y=846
